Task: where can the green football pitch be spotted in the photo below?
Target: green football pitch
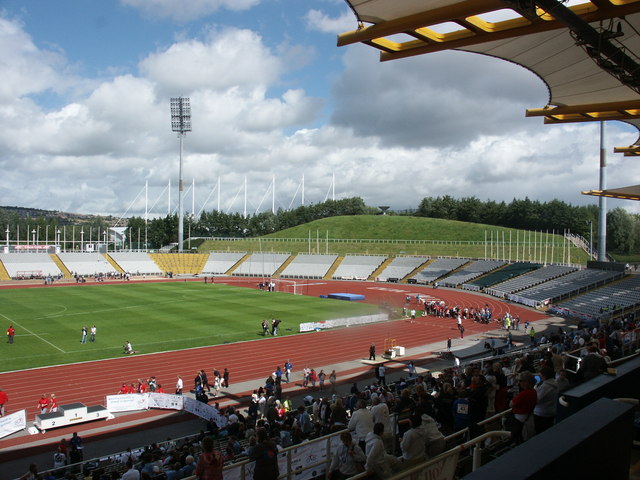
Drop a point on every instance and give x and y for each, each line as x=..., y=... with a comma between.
x=154, y=317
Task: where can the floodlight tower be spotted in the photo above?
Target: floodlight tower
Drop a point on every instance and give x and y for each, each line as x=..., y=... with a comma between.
x=181, y=124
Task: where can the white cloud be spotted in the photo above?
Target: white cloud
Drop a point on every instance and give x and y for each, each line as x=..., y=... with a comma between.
x=25, y=68
x=232, y=58
x=320, y=21
x=187, y=10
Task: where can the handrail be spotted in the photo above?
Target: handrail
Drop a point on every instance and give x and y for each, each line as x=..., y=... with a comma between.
x=477, y=456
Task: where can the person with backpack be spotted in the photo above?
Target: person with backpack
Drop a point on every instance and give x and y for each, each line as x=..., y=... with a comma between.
x=210, y=462
x=265, y=454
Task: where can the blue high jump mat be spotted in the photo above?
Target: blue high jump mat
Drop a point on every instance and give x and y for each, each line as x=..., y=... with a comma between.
x=350, y=297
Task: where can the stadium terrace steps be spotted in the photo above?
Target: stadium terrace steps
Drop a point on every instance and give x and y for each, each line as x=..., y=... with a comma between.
x=376, y=273
x=4, y=275
x=113, y=263
x=284, y=265
x=415, y=271
x=237, y=264
x=333, y=268
x=63, y=268
x=180, y=263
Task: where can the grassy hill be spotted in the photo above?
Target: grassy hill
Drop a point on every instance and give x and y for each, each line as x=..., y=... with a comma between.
x=400, y=235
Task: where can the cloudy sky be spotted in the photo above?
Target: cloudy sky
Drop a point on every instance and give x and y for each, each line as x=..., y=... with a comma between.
x=84, y=113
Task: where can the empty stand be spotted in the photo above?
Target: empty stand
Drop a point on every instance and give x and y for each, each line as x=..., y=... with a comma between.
x=136, y=263
x=529, y=279
x=261, y=264
x=309, y=266
x=438, y=268
x=400, y=267
x=510, y=271
x=358, y=267
x=180, y=263
x=85, y=264
x=471, y=271
x=569, y=284
x=18, y=263
x=219, y=263
x=602, y=302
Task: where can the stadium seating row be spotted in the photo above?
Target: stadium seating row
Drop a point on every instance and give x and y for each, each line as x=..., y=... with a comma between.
x=537, y=285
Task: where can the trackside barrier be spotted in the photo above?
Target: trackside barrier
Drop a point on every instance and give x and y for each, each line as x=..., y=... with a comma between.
x=13, y=423
x=344, y=322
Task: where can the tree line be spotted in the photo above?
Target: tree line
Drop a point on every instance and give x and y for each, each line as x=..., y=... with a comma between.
x=622, y=227
x=163, y=231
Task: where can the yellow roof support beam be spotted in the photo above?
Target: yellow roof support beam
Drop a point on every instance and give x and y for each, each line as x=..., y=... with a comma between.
x=587, y=113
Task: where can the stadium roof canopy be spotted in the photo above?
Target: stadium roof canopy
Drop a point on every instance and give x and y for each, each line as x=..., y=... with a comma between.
x=626, y=193
x=586, y=53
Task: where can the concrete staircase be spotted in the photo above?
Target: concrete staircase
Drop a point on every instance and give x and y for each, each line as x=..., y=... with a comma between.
x=63, y=268
x=237, y=264
x=379, y=270
x=415, y=270
x=333, y=268
x=284, y=265
x=4, y=275
x=113, y=263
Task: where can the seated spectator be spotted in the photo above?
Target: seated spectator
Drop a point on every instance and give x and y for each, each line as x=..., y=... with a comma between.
x=173, y=471
x=188, y=468
x=361, y=422
x=563, y=381
x=131, y=473
x=379, y=462
x=413, y=442
x=436, y=443
x=592, y=364
x=348, y=460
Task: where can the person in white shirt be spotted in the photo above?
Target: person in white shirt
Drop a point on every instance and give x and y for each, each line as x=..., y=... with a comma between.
x=131, y=473
x=348, y=459
x=179, y=385
x=379, y=462
x=414, y=442
x=361, y=422
x=380, y=414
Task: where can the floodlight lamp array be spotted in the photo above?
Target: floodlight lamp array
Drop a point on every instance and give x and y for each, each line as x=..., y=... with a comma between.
x=180, y=115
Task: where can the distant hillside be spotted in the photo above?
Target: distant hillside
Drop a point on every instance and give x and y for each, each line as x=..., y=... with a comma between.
x=399, y=235
x=393, y=228
x=64, y=218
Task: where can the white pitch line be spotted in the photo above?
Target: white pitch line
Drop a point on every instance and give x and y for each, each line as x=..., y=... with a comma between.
x=32, y=333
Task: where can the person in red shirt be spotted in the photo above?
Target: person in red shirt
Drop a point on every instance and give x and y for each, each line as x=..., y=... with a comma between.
x=160, y=389
x=142, y=387
x=11, y=332
x=522, y=407
x=43, y=403
x=53, y=403
x=131, y=389
x=4, y=399
x=123, y=389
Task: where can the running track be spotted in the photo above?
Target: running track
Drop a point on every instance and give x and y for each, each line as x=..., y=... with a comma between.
x=89, y=382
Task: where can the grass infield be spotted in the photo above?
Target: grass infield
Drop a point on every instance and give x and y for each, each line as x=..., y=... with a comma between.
x=154, y=317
